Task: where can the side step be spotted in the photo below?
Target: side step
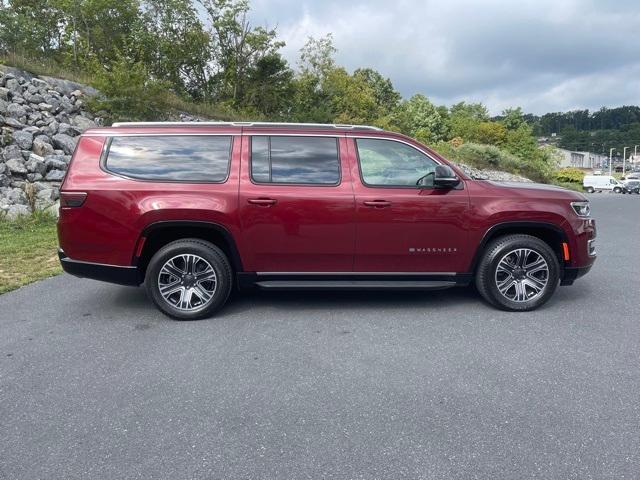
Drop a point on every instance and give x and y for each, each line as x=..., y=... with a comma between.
x=355, y=284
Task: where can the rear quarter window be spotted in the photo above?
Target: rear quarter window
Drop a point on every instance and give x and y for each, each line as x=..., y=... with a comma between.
x=295, y=160
x=173, y=158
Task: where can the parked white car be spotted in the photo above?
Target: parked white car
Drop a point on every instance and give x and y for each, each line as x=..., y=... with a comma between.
x=593, y=183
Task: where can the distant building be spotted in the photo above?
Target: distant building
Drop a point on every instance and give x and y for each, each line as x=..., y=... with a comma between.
x=576, y=159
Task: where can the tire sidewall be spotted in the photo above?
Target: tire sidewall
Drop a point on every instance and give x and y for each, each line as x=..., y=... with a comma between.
x=207, y=251
x=503, y=246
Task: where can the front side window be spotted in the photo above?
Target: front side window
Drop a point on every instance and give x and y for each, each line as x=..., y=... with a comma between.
x=185, y=158
x=296, y=160
x=387, y=163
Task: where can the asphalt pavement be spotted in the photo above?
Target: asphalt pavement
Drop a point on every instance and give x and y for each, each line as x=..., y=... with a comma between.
x=96, y=384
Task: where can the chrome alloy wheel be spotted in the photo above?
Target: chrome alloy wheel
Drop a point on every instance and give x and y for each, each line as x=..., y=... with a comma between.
x=187, y=282
x=522, y=275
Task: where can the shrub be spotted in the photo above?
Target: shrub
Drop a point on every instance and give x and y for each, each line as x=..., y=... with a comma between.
x=569, y=175
x=129, y=92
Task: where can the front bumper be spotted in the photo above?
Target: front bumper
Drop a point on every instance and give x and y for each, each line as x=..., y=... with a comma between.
x=571, y=274
x=97, y=271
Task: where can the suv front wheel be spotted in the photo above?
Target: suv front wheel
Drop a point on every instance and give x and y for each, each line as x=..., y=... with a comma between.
x=189, y=279
x=518, y=273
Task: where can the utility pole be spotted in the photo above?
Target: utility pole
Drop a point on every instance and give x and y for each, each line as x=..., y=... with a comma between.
x=624, y=161
x=610, y=159
x=635, y=155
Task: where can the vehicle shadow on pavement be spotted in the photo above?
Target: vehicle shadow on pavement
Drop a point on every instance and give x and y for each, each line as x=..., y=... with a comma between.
x=253, y=300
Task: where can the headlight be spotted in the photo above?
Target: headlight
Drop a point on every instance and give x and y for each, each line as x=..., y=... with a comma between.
x=582, y=209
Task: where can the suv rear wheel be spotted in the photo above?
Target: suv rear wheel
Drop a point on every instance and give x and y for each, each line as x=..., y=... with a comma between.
x=518, y=273
x=189, y=279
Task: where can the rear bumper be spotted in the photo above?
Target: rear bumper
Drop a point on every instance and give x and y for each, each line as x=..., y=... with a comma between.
x=572, y=274
x=97, y=271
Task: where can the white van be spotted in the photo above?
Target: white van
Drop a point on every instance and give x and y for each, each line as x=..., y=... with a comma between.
x=592, y=183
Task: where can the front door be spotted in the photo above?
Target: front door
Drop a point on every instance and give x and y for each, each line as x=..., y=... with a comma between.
x=296, y=204
x=402, y=224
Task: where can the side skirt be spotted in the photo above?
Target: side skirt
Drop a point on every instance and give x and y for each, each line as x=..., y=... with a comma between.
x=352, y=281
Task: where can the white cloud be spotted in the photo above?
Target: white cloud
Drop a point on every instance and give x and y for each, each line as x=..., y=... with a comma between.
x=543, y=55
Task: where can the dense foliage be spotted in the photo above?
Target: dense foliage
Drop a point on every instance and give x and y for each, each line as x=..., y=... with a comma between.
x=592, y=131
x=144, y=54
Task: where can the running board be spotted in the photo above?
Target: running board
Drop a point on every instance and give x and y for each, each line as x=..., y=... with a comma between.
x=354, y=284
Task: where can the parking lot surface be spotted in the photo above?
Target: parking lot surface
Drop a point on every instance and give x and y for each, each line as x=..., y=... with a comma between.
x=95, y=383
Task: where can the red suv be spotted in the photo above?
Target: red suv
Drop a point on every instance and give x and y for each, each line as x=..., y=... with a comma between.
x=194, y=210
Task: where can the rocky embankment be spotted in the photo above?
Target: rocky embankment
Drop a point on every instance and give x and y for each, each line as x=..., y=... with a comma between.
x=40, y=120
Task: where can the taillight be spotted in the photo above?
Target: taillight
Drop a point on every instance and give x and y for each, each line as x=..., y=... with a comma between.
x=72, y=199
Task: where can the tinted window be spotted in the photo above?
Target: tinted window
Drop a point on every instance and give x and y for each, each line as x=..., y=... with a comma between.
x=389, y=163
x=306, y=160
x=178, y=158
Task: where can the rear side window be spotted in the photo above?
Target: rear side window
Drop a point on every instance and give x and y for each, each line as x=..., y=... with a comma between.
x=186, y=158
x=298, y=160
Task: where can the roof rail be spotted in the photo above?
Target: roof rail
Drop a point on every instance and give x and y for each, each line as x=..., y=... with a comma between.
x=247, y=124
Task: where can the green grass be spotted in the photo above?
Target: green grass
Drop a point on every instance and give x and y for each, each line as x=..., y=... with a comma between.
x=28, y=250
x=570, y=185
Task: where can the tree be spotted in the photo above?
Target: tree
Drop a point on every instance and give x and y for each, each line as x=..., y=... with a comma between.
x=420, y=118
x=30, y=27
x=176, y=46
x=237, y=47
x=270, y=87
x=513, y=118
x=386, y=96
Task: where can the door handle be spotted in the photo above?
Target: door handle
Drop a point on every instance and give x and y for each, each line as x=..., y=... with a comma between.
x=263, y=202
x=377, y=203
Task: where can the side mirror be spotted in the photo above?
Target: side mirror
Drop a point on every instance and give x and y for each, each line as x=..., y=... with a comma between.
x=445, y=177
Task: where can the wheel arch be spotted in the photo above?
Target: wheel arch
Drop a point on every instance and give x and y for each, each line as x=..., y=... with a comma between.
x=552, y=234
x=158, y=234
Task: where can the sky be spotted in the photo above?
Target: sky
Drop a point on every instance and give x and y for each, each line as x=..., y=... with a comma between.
x=542, y=55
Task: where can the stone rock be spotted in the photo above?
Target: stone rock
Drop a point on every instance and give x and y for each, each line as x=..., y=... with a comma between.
x=3, y=168
x=83, y=123
x=53, y=209
x=64, y=142
x=68, y=129
x=46, y=107
x=39, y=83
x=38, y=186
x=13, y=122
x=41, y=147
x=5, y=181
x=14, y=85
x=14, y=195
x=17, y=111
x=5, y=94
x=4, y=104
x=55, y=162
x=15, y=211
x=54, y=176
x=51, y=129
x=23, y=138
x=12, y=152
x=77, y=93
x=44, y=199
x=36, y=164
x=34, y=177
x=34, y=98
x=16, y=166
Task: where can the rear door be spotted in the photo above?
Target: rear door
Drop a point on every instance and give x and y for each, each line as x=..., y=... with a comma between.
x=401, y=227
x=296, y=204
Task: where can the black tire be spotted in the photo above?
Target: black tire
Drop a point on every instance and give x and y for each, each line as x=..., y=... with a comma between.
x=208, y=253
x=496, y=251
x=617, y=190
x=589, y=189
